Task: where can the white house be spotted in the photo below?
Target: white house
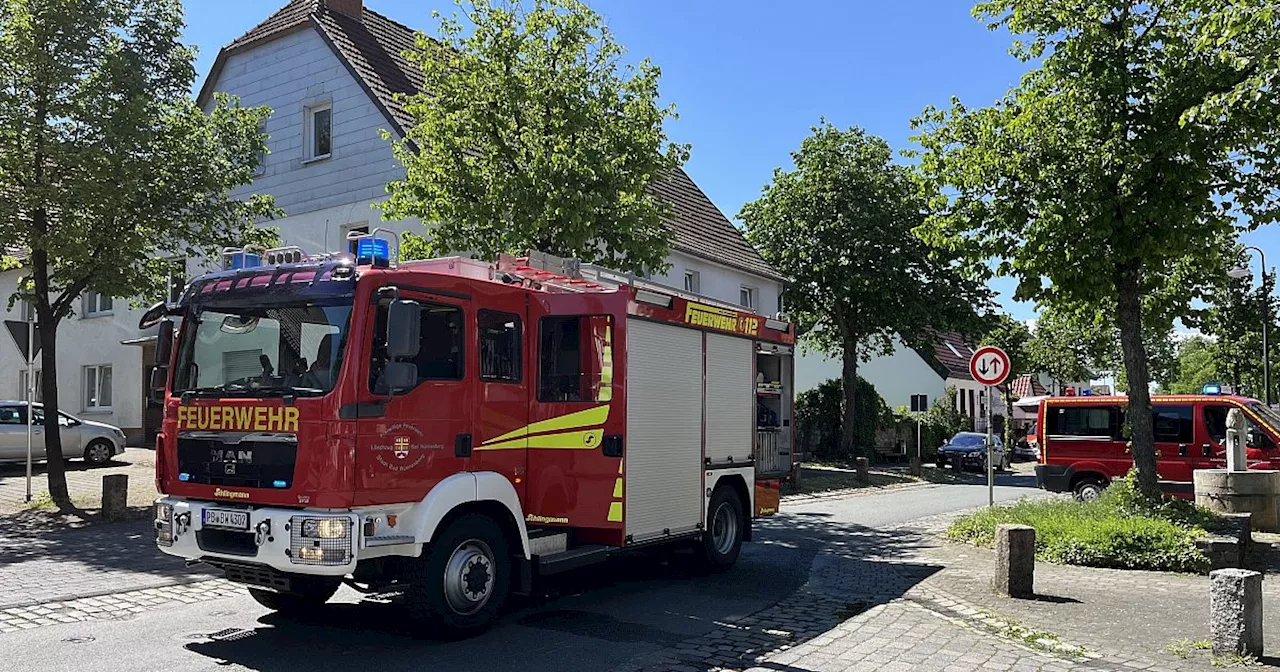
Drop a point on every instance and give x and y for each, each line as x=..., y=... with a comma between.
x=329, y=70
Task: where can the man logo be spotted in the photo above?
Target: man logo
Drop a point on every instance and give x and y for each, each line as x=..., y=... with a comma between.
x=402, y=447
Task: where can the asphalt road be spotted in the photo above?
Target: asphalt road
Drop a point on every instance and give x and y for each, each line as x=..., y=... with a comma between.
x=593, y=619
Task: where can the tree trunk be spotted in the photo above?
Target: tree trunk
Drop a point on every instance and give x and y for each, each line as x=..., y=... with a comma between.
x=55, y=470
x=1008, y=418
x=848, y=435
x=1129, y=319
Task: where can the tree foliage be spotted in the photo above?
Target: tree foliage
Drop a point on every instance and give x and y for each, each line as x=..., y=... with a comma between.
x=531, y=133
x=1119, y=164
x=106, y=163
x=821, y=412
x=840, y=226
x=1198, y=364
x=1232, y=318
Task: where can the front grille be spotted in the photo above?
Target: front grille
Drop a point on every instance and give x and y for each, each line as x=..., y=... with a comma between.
x=227, y=541
x=248, y=464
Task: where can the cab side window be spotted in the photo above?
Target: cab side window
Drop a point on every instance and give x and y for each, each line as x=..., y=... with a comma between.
x=500, y=343
x=575, y=359
x=441, y=354
x=9, y=416
x=1215, y=423
x=1091, y=421
x=1173, y=424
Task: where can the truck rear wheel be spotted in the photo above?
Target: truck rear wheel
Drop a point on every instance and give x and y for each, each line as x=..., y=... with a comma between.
x=463, y=577
x=304, y=595
x=1088, y=488
x=722, y=541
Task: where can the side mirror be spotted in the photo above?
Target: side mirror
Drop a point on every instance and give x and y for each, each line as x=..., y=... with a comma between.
x=404, y=326
x=164, y=343
x=400, y=376
x=159, y=378
x=1254, y=438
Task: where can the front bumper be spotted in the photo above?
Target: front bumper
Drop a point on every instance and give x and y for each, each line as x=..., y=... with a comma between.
x=1053, y=477
x=274, y=538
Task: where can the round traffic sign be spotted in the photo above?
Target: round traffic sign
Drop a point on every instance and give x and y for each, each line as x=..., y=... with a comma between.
x=989, y=365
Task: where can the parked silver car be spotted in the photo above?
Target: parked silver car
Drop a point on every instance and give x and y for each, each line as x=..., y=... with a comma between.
x=97, y=442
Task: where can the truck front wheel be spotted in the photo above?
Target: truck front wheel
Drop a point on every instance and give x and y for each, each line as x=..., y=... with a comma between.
x=463, y=577
x=722, y=540
x=304, y=595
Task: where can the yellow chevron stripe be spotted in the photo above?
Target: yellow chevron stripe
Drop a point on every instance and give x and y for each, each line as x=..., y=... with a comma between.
x=587, y=418
x=615, y=512
x=576, y=440
x=617, y=489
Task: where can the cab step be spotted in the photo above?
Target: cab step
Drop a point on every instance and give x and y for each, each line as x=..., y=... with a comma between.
x=564, y=561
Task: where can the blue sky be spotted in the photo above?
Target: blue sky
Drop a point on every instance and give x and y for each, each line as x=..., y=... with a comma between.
x=749, y=78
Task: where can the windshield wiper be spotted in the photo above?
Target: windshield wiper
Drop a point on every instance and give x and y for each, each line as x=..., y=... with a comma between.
x=219, y=391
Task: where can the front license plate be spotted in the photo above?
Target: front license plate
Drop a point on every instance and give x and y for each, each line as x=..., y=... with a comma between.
x=228, y=520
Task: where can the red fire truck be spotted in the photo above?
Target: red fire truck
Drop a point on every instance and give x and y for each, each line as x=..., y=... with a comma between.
x=453, y=429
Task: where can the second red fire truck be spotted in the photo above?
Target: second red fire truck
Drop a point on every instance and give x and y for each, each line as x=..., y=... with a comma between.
x=453, y=429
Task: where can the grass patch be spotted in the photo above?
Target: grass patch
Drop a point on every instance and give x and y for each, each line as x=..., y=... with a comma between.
x=1119, y=530
x=1183, y=647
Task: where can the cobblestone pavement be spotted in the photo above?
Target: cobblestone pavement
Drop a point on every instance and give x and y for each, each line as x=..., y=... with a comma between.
x=113, y=606
x=84, y=481
x=42, y=562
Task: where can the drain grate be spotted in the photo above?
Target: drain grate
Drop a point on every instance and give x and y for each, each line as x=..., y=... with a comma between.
x=79, y=640
x=230, y=635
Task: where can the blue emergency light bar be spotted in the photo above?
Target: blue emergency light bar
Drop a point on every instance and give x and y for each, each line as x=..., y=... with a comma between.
x=1211, y=388
x=241, y=260
x=374, y=252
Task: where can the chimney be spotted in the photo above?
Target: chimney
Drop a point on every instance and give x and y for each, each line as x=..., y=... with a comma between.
x=351, y=8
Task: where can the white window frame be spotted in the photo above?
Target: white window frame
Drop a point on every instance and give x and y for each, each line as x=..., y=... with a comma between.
x=750, y=294
x=309, y=154
x=692, y=281
x=93, y=305
x=261, y=169
x=97, y=388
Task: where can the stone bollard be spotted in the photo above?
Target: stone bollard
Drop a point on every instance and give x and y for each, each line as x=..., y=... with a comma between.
x=863, y=476
x=916, y=467
x=115, y=496
x=1015, y=560
x=1235, y=612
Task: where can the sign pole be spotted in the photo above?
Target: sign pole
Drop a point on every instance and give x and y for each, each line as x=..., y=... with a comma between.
x=991, y=469
x=31, y=385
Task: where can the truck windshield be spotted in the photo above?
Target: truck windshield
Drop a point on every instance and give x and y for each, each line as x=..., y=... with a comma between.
x=260, y=351
x=1268, y=415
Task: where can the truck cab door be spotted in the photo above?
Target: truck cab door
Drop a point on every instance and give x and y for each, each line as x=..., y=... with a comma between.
x=409, y=441
x=1174, y=431
x=505, y=372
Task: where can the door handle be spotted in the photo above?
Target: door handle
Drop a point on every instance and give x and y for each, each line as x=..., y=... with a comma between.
x=462, y=445
x=1182, y=449
x=612, y=446
x=1206, y=449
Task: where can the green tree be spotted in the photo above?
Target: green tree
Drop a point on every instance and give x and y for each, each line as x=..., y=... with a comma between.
x=1197, y=365
x=840, y=227
x=1119, y=163
x=531, y=134
x=1068, y=345
x=107, y=163
x=1014, y=338
x=1233, y=319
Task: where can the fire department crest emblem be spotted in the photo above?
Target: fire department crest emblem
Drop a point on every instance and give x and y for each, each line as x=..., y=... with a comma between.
x=402, y=447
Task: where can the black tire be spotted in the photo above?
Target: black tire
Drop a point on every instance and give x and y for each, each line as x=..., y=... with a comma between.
x=305, y=595
x=462, y=580
x=1088, y=488
x=726, y=526
x=99, y=452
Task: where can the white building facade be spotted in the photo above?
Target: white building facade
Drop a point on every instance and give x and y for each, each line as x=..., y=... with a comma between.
x=329, y=69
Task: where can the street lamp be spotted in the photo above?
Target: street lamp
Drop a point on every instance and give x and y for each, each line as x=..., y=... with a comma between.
x=1240, y=272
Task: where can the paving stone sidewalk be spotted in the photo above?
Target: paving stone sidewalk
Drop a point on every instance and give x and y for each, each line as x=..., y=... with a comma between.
x=42, y=562
x=83, y=481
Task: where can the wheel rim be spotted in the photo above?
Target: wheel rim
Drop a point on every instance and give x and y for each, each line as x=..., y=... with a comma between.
x=98, y=453
x=1090, y=492
x=724, y=528
x=469, y=577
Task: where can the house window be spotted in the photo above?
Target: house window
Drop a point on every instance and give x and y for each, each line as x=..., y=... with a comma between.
x=22, y=386
x=97, y=388
x=318, y=132
x=96, y=304
x=747, y=297
x=176, y=280
x=692, y=282
x=499, y=346
x=260, y=168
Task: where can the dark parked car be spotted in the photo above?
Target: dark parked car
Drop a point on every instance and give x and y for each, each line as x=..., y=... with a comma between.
x=968, y=450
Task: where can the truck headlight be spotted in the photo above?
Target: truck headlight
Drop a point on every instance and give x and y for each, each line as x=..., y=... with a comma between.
x=164, y=512
x=164, y=524
x=325, y=528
